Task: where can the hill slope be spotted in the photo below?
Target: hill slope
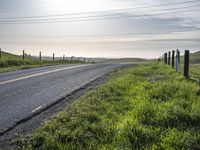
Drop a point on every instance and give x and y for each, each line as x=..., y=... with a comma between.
x=11, y=62
x=194, y=58
x=5, y=55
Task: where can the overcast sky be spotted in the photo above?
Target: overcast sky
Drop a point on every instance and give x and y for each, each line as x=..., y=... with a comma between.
x=88, y=27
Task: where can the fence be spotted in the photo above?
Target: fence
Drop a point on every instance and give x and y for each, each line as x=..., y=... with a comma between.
x=175, y=62
x=72, y=58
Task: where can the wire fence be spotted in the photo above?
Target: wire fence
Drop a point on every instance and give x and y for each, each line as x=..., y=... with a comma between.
x=182, y=64
x=25, y=56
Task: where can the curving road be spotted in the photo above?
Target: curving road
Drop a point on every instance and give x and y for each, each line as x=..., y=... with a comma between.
x=25, y=92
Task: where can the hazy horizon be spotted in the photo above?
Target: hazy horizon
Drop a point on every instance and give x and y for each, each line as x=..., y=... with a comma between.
x=99, y=28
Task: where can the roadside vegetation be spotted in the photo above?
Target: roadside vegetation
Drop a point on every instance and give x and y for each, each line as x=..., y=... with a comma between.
x=149, y=107
x=195, y=72
x=10, y=62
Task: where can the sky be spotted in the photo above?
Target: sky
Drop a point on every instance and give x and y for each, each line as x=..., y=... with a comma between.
x=99, y=28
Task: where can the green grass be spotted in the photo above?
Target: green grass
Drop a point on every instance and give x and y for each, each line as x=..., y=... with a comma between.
x=194, y=69
x=195, y=72
x=149, y=107
x=10, y=62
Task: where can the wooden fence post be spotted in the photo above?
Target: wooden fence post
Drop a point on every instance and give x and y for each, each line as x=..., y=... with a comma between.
x=186, y=63
x=40, y=56
x=169, y=57
x=177, y=60
x=53, y=56
x=23, y=54
x=0, y=53
x=63, y=57
x=173, y=53
x=165, y=58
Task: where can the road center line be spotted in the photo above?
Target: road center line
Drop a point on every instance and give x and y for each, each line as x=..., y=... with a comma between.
x=39, y=74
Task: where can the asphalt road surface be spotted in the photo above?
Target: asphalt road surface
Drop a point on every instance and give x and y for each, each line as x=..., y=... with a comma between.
x=25, y=92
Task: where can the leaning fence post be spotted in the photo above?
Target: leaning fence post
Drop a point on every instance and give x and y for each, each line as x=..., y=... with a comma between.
x=186, y=63
x=173, y=53
x=177, y=60
x=23, y=54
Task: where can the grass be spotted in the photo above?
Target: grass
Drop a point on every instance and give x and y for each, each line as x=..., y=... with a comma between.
x=195, y=72
x=194, y=69
x=10, y=62
x=149, y=107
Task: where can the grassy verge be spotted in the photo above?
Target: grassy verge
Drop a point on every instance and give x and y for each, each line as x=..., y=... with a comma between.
x=10, y=62
x=13, y=65
x=195, y=72
x=150, y=107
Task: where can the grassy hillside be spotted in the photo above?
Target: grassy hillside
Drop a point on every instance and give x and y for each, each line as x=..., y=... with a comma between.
x=150, y=107
x=10, y=62
x=194, y=58
x=5, y=55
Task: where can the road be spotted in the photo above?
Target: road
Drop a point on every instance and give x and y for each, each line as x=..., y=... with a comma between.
x=25, y=92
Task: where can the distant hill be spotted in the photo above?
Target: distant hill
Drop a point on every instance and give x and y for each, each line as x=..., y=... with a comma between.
x=126, y=60
x=5, y=55
x=194, y=58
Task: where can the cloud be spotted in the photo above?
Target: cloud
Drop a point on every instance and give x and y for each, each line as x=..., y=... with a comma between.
x=150, y=33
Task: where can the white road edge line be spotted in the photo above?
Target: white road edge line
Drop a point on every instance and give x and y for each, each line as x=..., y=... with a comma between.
x=39, y=74
x=36, y=109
